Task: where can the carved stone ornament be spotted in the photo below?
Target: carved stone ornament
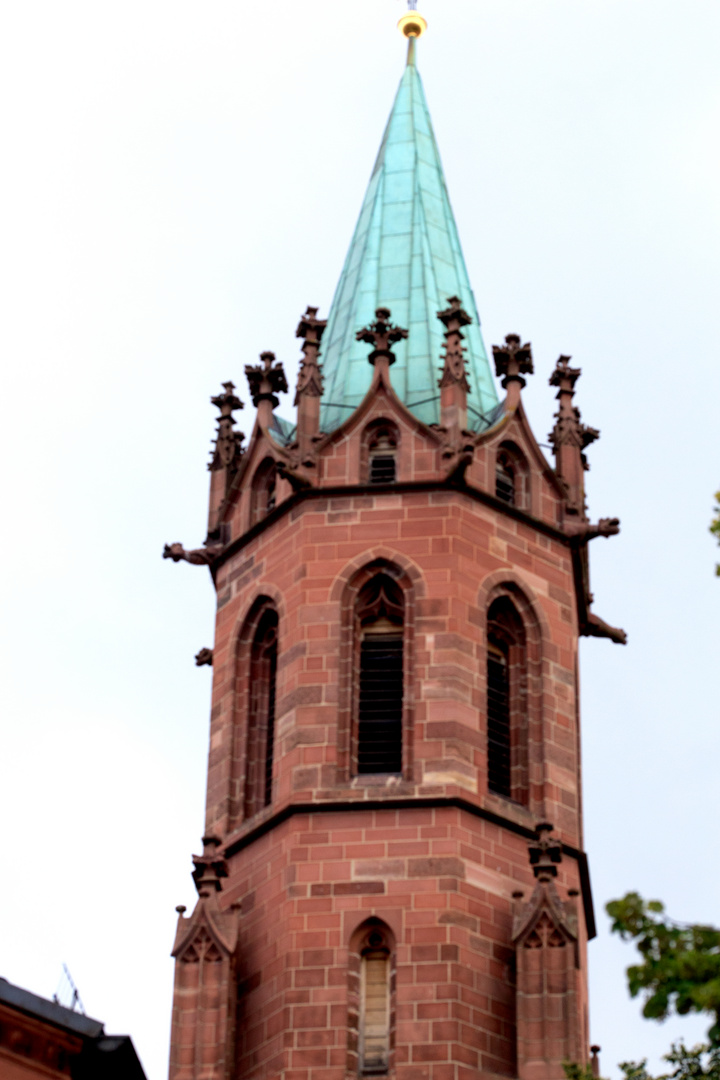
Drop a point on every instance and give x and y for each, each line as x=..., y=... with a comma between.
x=210, y=867
x=204, y=556
x=382, y=334
x=228, y=443
x=584, y=530
x=458, y=461
x=565, y=377
x=266, y=380
x=594, y=626
x=204, y=657
x=545, y=853
x=513, y=360
x=294, y=478
x=568, y=430
x=380, y=599
x=545, y=919
x=453, y=317
x=310, y=380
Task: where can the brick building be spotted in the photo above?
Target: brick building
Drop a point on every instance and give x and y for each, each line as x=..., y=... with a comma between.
x=393, y=879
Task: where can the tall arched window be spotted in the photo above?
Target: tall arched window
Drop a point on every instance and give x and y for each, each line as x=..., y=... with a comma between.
x=507, y=719
x=371, y=993
x=261, y=714
x=381, y=442
x=263, y=490
x=379, y=619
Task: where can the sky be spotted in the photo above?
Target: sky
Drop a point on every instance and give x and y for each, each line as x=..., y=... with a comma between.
x=180, y=181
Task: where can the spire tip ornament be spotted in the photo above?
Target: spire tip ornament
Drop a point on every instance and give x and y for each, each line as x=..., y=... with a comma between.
x=412, y=24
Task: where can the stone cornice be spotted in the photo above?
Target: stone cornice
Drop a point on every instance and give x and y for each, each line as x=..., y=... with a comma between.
x=399, y=488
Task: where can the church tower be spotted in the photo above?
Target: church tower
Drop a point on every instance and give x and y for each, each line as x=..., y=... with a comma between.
x=393, y=880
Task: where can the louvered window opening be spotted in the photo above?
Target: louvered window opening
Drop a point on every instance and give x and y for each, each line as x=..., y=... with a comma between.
x=505, y=483
x=382, y=469
x=270, y=735
x=375, y=1013
x=380, y=704
x=498, y=721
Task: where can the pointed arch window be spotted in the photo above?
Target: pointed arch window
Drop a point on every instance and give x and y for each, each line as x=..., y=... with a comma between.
x=261, y=714
x=379, y=623
x=374, y=1019
x=371, y=993
x=507, y=719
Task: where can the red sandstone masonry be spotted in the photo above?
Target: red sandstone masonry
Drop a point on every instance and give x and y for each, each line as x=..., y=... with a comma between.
x=440, y=878
x=462, y=984
x=315, y=673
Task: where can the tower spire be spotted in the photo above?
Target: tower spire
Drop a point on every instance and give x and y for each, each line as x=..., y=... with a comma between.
x=405, y=255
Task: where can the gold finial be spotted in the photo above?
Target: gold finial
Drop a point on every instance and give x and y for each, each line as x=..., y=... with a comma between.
x=412, y=25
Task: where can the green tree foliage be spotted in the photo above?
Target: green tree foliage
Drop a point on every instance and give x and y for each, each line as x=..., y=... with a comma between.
x=573, y=1071
x=715, y=526
x=680, y=966
x=680, y=970
x=699, y=1063
x=687, y=1064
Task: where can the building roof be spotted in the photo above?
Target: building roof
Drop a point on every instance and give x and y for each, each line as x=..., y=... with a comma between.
x=405, y=255
x=103, y=1057
x=50, y=1011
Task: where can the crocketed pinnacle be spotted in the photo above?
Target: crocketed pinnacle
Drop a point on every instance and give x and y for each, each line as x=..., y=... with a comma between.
x=405, y=255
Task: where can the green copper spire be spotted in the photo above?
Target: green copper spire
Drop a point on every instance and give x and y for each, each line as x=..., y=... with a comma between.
x=405, y=255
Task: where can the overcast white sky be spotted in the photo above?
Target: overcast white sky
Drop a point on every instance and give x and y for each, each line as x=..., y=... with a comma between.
x=179, y=182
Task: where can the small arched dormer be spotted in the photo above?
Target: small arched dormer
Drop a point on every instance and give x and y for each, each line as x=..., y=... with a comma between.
x=512, y=478
x=380, y=445
x=262, y=490
x=507, y=702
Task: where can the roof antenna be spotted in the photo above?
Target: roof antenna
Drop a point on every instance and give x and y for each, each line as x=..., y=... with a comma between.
x=67, y=993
